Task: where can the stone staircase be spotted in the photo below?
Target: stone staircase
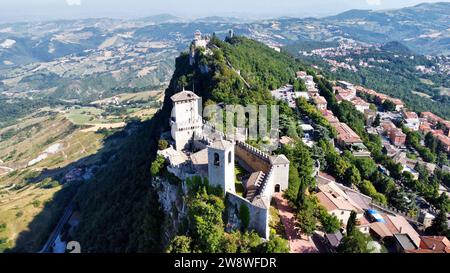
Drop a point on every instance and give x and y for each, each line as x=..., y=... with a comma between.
x=260, y=185
x=265, y=182
x=252, y=191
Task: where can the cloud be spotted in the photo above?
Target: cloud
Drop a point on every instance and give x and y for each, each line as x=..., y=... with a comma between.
x=373, y=2
x=73, y=2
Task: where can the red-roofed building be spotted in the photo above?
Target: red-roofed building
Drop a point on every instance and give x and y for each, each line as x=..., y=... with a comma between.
x=360, y=104
x=445, y=141
x=399, y=105
x=328, y=115
x=433, y=244
x=387, y=126
x=432, y=118
x=425, y=127
x=397, y=137
x=345, y=135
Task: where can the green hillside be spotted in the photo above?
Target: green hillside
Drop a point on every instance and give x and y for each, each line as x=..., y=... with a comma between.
x=119, y=207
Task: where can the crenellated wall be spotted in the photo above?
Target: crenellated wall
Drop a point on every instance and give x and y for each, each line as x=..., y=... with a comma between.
x=252, y=157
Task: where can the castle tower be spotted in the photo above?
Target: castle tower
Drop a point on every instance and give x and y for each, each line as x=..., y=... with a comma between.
x=230, y=34
x=197, y=35
x=221, y=165
x=280, y=165
x=185, y=119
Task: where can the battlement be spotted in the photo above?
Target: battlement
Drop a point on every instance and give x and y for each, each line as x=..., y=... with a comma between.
x=258, y=153
x=267, y=180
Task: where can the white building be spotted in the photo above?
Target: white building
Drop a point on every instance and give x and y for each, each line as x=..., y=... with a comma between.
x=411, y=120
x=221, y=165
x=185, y=119
x=346, y=85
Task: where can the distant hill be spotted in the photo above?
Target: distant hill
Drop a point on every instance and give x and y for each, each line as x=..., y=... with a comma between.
x=423, y=28
x=160, y=18
x=396, y=47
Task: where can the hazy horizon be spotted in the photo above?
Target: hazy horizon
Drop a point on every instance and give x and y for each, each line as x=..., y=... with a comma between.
x=43, y=10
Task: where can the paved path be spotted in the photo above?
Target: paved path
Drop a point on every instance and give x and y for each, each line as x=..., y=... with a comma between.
x=297, y=243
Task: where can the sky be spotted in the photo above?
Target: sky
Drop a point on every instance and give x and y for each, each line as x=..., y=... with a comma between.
x=26, y=10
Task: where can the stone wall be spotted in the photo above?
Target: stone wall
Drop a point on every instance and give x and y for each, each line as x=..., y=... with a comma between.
x=259, y=217
x=252, y=157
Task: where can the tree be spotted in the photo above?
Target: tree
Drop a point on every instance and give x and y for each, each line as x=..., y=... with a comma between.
x=388, y=105
x=330, y=223
x=351, y=223
x=377, y=121
x=440, y=224
x=301, y=195
x=299, y=85
x=180, y=244
x=277, y=244
x=338, y=166
x=163, y=144
x=356, y=242
x=244, y=216
x=368, y=188
x=352, y=176
x=230, y=242
x=366, y=166
x=294, y=183
x=306, y=219
x=157, y=165
x=206, y=226
x=250, y=241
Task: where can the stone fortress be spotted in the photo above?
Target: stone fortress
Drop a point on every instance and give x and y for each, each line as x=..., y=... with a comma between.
x=200, y=150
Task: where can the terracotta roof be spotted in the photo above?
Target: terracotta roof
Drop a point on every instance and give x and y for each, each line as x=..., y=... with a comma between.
x=333, y=197
x=410, y=115
x=346, y=134
x=184, y=96
x=326, y=202
x=200, y=157
x=359, y=101
x=396, y=101
x=301, y=74
x=439, y=244
x=444, y=140
x=285, y=140
x=402, y=226
x=326, y=177
x=431, y=116
x=380, y=229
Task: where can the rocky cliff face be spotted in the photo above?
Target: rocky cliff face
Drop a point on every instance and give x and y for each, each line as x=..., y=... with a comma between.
x=173, y=205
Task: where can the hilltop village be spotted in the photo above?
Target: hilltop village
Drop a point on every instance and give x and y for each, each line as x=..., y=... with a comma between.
x=388, y=152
